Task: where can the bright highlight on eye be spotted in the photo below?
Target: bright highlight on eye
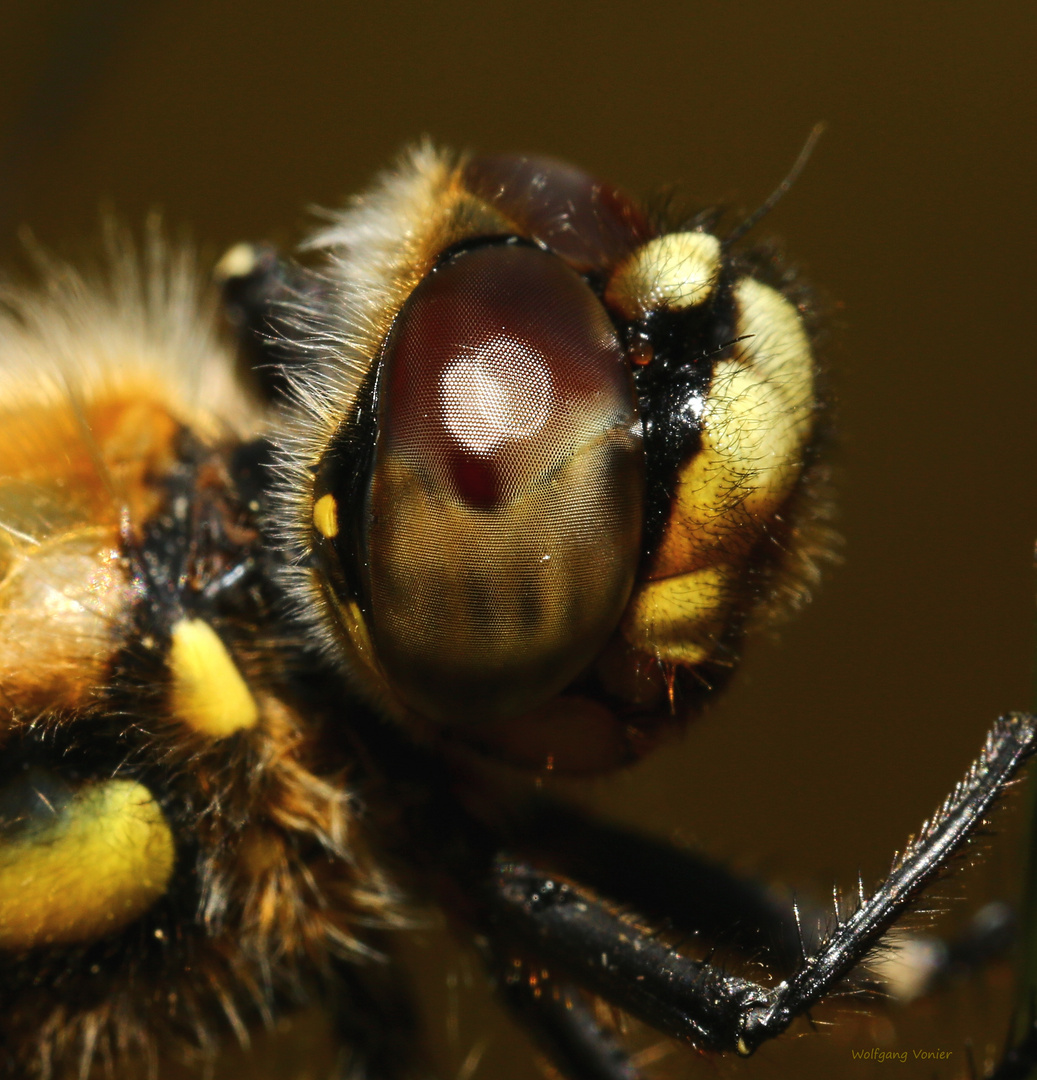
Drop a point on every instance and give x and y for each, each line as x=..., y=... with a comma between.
x=509, y=475
x=499, y=390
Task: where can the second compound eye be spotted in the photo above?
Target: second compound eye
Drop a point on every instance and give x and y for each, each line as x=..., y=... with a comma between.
x=502, y=516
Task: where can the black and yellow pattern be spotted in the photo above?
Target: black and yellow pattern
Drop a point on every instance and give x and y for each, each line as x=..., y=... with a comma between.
x=168, y=856
x=291, y=628
x=694, y=519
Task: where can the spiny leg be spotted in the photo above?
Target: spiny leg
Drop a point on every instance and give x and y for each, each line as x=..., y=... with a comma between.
x=572, y=932
x=645, y=874
x=743, y=914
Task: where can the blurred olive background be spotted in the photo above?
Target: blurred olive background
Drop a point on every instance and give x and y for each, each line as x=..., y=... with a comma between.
x=916, y=219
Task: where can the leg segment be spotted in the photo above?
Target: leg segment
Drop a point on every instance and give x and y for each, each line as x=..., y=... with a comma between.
x=644, y=874
x=564, y=1028
x=572, y=932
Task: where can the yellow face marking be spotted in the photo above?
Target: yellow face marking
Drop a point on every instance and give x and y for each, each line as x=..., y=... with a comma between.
x=776, y=344
x=756, y=421
x=676, y=271
x=750, y=452
x=89, y=868
x=678, y=619
x=325, y=516
x=209, y=693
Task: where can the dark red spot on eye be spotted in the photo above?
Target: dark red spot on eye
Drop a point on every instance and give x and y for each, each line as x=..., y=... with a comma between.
x=502, y=519
x=477, y=479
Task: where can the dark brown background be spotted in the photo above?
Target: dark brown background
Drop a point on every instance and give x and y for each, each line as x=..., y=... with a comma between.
x=916, y=217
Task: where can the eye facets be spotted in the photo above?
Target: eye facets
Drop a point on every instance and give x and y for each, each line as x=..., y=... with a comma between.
x=521, y=528
x=504, y=499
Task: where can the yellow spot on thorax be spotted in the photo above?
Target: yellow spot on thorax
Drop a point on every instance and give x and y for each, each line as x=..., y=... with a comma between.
x=88, y=868
x=209, y=693
x=325, y=516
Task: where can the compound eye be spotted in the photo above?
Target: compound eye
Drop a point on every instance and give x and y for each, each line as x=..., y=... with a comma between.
x=503, y=513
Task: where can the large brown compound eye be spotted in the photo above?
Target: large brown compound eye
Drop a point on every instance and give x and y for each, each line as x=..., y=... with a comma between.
x=503, y=514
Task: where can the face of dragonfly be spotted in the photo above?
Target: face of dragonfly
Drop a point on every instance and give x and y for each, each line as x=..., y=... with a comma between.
x=284, y=648
x=924, y=634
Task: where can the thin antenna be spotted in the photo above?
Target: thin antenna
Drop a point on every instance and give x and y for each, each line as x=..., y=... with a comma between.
x=778, y=193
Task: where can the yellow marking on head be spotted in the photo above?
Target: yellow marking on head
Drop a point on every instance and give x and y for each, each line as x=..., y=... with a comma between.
x=775, y=343
x=209, y=693
x=99, y=862
x=325, y=516
x=678, y=619
x=753, y=440
x=755, y=423
x=676, y=271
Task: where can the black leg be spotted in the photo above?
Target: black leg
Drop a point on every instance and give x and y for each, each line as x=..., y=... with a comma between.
x=580, y=937
x=683, y=891
x=547, y=919
x=680, y=889
x=563, y=1027
x=1010, y=742
x=572, y=932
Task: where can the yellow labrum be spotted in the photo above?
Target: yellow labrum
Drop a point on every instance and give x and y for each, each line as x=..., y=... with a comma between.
x=680, y=618
x=209, y=693
x=87, y=868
